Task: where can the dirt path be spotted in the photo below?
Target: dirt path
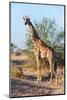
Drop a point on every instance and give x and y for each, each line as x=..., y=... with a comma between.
x=23, y=87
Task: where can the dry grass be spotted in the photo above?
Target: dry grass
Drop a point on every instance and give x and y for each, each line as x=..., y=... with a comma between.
x=16, y=72
x=27, y=62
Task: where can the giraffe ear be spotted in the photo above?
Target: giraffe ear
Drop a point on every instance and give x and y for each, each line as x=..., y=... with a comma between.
x=24, y=18
x=29, y=18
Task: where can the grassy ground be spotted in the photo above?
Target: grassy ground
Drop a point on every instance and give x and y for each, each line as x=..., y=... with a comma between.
x=23, y=77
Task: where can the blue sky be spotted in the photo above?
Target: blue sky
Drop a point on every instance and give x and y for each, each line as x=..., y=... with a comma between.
x=35, y=12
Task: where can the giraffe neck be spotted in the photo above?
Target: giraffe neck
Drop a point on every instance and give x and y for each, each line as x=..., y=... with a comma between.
x=32, y=32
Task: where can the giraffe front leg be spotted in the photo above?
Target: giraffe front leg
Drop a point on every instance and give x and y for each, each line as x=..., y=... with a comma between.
x=38, y=70
x=38, y=74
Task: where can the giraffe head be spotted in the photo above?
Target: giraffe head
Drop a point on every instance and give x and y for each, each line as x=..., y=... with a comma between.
x=26, y=19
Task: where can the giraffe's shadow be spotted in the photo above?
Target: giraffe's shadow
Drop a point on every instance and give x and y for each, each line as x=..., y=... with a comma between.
x=33, y=78
x=17, y=62
x=30, y=77
x=47, y=78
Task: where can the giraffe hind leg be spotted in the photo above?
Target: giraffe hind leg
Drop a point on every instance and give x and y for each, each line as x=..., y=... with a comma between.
x=55, y=70
x=50, y=74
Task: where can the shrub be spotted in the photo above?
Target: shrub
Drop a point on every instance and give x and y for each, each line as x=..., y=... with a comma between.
x=16, y=72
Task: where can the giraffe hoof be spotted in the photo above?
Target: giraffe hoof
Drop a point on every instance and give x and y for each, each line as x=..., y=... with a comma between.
x=38, y=81
x=55, y=82
x=50, y=81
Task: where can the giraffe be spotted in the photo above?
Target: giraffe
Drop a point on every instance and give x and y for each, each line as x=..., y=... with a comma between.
x=41, y=50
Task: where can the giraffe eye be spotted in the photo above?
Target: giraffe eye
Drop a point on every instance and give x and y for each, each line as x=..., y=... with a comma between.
x=26, y=23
